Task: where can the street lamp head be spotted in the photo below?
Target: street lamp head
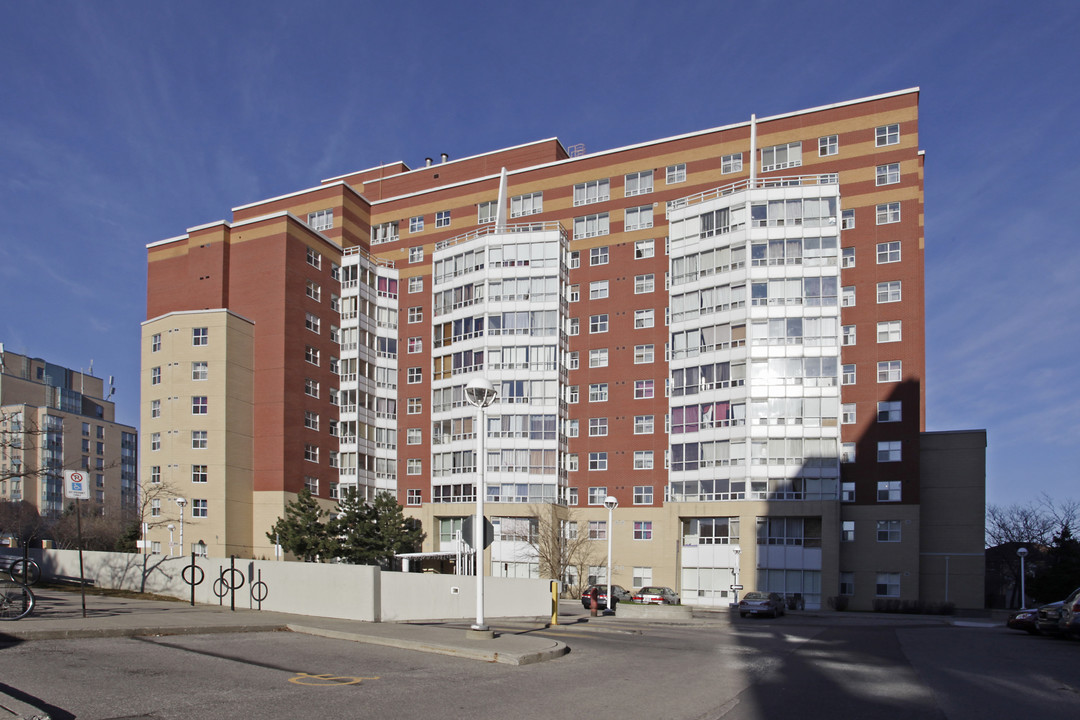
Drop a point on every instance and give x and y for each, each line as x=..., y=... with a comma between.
x=480, y=392
x=1022, y=552
x=181, y=502
x=736, y=549
x=171, y=527
x=610, y=502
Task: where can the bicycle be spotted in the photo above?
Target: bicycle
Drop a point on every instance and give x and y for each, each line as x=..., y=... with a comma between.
x=16, y=600
x=24, y=571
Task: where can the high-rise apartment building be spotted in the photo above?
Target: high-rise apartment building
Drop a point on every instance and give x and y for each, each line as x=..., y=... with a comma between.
x=54, y=419
x=723, y=330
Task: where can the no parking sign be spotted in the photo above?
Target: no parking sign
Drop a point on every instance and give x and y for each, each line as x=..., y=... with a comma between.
x=76, y=485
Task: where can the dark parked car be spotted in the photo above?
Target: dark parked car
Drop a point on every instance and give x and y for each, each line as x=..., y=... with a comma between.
x=760, y=603
x=1047, y=617
x=620, y=593
x=1024, y=620
x=1069, y=617
x=655, y=595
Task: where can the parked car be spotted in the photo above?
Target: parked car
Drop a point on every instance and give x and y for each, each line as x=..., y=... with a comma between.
x=1069, y=616
x=1024, y=620
x=620, y=593
x=1047, y=617
x=655, y=595
x=760, y=603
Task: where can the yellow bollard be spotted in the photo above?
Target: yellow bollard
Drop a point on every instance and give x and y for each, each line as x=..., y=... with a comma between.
x=554, y=602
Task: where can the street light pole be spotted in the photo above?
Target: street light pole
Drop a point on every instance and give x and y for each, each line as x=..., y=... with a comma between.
x=171, y=528
x=610, y=503
x=1022, y=552
x=480, y=393
x=737, y=551
x=181, y=502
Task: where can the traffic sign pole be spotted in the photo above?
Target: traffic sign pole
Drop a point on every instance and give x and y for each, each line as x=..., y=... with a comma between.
x=77, y=488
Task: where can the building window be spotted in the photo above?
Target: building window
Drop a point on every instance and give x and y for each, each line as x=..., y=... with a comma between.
x=828, y=145
x=847, y=452
x=198, y=440
x=199, y=474
x=155, y=412
x=442, y=219
x=731, y=163
x=889, y=411
x=155, y=474
x=572, y=466
x=575, y=259
x=598, y=289
x=155, y=342
x=572, y=428
x=888, y=451
x=888, y=531
x=416, y=314
x=779, y=157
x=597, y=530
x=644, y=354
x=199, y=370
x=311, y=420
x=643, y=459
x=847, y=258
x=676, y=173
x=311, y=452
x=416, y=284
x=644, y=318
x=639, y=183
x=312, y=322
x=847, y=376
x=847, y=336
x=311, y=355
x=384, y=233
x=413, y=466
x=888, y=252
x=847, y=219
x=847, y=492
x=416, y=254
x=888, y=585
x=644, y=389
x=314, y=259
x=888, y=331
x=155, y=376
x=415, y=344
x=592, y=192
x=414, y=375
x=573, y=360
x=413, y=497
x=888, y=491
x=311, y=387
x=847, y=583
x=847, y=296
x=598, y=461
x=199, y=508
x=643, y=530
x=314, y=291
x=598, y=427
x=592, y=226
x=888, y=213
x=414, y=436
x=644, y=424
x=574, y=327
x=888, y=292
x=416, y=224
x=598, y=324
x=847, y=531
x=642, y=577
x=644, y=284
x=598, y=392
x=889, y=371
x=572, y=394
x=598, y=357
x=597, y=495
x=887, y=135
x=638, y=218
x=200, y=336
x=155, y=441
x=574, y=294
x=599, y=256
x=643, y=495
x=414, y=406
x=199, y=405
x=155, y=508
x=529, y=204
x=888, y=174
x=644, y=248
x=486, y=212
x=847, y=414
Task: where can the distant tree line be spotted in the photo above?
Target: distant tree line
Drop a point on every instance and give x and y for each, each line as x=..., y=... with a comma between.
x=1045, y=527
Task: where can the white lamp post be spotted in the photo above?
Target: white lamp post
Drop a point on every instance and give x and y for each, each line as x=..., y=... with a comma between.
x=736, y=551
x=181, y=502
x=1022, y=553
x=480, y=393
x=610, y=503
x=171, y=528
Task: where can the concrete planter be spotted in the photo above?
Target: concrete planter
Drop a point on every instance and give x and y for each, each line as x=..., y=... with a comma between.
x=657, y=613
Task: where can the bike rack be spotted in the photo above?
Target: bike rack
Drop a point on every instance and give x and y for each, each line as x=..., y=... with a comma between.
x=191, y=580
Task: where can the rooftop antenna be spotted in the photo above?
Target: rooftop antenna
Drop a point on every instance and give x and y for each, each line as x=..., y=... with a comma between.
x=112, y=389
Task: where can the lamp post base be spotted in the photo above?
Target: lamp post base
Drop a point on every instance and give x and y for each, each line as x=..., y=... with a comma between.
x=480, y=632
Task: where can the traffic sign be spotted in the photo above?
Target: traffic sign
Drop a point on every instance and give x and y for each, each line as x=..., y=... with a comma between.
x=467, y=531
x=736, y=587
x=76, y=485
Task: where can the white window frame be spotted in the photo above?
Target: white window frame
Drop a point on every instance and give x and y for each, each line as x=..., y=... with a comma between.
x=889, y=451
x=888, y=252
x=890, y=291
x=527, y=204
x=598, y=289
x=889, y=531
x=416, y=254
x=888, y=213
x=442, y=219
x=847, y=413
x=643, y=459
x=638, y=183
x=644, y=318
x=416, y=224
x=731, y=163
x=644, y=354
x=486, y=212
x=888, y=174
x=885, y=135
x=644, y=424
x=644, y=284
x=828, y=145
x=847, y=296
x=889, y=491
x=847, y=219
x=889, y=331
x=675, y=174
x=321, y=220
x=847, y=258
x=847, y=335
x=781, y=160
x=889, y=411
x=599, y=255
x=638, y=218
x=889, y=371
x=593, y=191
x=598, y=357
x=644, y=248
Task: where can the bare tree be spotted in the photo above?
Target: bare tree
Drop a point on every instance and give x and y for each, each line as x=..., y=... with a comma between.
x=562, y=546
x=1029, y=524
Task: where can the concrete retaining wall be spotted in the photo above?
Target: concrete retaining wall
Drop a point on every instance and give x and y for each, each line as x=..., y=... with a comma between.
x=353, y=592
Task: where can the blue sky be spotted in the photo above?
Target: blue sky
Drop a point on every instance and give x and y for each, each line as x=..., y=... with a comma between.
x=124, y=123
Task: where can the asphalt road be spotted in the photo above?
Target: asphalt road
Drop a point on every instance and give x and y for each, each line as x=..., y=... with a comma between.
x=751, y=669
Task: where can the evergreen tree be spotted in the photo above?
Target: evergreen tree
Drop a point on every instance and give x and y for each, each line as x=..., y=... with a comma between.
x=1060, y=574
x=371, y=534
x=302, y=531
